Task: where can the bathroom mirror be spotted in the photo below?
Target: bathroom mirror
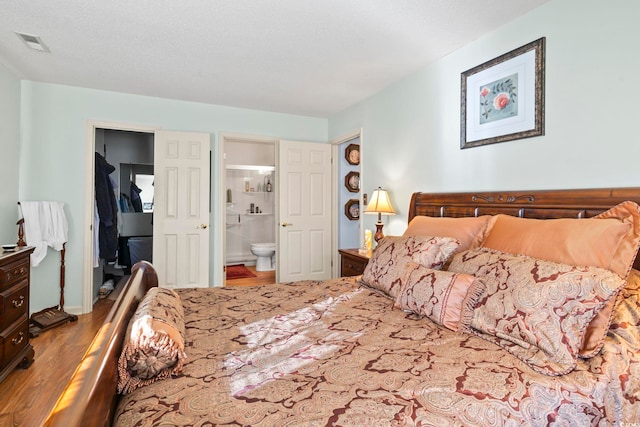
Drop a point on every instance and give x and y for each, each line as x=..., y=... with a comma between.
x=136, y=188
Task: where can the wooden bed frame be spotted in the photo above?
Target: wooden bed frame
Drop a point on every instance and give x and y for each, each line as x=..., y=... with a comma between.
x=90, y=397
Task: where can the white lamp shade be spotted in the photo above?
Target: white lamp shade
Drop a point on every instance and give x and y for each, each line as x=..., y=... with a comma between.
x=380, y=203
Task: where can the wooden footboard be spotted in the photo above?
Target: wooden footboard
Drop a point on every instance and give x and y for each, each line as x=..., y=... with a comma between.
x=89, y=399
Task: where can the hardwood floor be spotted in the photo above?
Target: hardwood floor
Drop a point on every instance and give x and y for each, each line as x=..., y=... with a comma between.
x=27, y=395
x=263, y=278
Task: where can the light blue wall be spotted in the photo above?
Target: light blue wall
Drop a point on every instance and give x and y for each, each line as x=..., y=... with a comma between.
x=9, y=154
x=54, y=143
x=348, y=230
x=411, y=130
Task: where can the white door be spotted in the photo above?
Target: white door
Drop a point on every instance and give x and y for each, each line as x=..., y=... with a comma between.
x=304, y=238
x=181, y=209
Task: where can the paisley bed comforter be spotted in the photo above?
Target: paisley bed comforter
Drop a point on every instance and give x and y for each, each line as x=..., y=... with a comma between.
x=336, y=353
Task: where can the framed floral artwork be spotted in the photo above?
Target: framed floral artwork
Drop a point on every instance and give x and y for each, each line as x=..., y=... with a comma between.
x=503, y=99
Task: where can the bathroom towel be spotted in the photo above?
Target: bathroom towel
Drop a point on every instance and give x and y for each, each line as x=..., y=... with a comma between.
x=45, y=225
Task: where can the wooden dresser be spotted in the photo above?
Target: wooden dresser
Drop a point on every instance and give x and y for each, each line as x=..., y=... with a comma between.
x=14, y=311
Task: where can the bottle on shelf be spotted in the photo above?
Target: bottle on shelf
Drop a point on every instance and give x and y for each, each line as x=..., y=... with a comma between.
x=246, y=186
x=268, y=186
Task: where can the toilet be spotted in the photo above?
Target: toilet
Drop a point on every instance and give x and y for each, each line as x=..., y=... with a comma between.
x=265, y=253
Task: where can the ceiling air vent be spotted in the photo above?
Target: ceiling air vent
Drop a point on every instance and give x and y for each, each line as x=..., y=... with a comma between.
x=33, y=42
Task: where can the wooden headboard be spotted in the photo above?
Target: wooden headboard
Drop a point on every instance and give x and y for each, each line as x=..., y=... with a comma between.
x=541, y=204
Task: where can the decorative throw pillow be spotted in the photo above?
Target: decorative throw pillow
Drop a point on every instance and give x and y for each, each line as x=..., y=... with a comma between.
x=625, y=325
x=469, y=231
x=609, y=240
x=388, y=261
x=537, y=310
x=442, y=296
x=154, y=344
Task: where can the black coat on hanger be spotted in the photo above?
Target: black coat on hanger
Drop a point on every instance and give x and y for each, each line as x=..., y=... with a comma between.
x=107, y=209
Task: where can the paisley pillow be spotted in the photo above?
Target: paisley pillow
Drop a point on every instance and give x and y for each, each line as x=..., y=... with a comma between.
x=535, y=309
x=609, y=240
x=442, y=296
x=154, y=344
x=388, y=260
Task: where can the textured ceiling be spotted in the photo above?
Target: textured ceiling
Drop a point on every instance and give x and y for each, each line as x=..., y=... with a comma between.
x=307, y=57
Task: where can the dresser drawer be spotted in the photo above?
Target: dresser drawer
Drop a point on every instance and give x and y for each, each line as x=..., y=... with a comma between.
x=14, y=303
x=15, y=341
x=352, y=263
x=14, y=272
x=15, y=349
x=350, y=271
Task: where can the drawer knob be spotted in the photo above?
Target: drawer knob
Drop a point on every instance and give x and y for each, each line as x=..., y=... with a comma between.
x=16, y=273
x=18, y=340
x=17, y=303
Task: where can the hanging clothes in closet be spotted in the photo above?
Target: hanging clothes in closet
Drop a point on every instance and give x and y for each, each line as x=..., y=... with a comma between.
x=107, y=209
x=136, y=201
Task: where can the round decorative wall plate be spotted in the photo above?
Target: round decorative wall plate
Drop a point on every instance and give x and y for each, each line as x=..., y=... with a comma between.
x=352, y=182
x=352, y=209
x=352, y=154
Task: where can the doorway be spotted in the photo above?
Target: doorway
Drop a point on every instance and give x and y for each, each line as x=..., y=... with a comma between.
x=124, y=189
x=175, y=154
x=349, y=200
x=89, y=237
x=249, y=221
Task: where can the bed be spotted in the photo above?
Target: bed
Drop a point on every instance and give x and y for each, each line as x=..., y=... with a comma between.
x=420, y=341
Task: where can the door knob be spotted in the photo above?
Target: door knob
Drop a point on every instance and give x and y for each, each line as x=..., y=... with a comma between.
x=286, y=224
x=201, y=226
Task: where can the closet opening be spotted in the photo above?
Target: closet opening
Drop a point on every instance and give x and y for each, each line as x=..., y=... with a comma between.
x=124, y=194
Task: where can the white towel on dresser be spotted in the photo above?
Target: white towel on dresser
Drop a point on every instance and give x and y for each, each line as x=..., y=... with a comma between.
x=45, y=225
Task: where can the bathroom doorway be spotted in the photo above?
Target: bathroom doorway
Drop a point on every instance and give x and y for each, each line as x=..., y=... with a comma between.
x=250, y=210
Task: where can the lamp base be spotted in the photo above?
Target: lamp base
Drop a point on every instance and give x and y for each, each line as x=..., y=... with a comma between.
x=379, y=235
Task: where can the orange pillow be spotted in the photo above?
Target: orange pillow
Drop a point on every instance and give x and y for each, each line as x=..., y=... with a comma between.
x=609, y=240
x=568, y=241
x=469, y=231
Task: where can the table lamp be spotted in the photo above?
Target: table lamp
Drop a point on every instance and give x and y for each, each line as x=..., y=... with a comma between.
x=380, y=204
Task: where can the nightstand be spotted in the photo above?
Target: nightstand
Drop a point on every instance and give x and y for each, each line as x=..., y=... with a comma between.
x=352, y=262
